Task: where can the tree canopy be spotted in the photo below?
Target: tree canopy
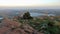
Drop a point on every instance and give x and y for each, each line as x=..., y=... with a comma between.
x=27, y=16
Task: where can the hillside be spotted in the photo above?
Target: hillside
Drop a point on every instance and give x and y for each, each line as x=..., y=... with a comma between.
x=14, y=27
x=30, y=25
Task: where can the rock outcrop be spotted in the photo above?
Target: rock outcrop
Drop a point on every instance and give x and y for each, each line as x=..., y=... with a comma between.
x=12, y=27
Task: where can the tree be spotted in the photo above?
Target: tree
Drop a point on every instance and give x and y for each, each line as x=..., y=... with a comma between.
x=27, y=16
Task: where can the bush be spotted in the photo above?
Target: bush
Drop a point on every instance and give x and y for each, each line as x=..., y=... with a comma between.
x=27, y=16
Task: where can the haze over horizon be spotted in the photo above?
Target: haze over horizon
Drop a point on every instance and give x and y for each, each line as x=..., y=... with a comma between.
x=30, y=3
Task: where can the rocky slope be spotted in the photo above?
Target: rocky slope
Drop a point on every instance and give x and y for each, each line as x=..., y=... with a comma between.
x=13, y=27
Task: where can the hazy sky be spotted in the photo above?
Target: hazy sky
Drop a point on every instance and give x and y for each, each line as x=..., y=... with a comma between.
x=30, y=3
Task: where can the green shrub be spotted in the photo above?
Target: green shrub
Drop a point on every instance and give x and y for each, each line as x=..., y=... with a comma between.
x=27, y=16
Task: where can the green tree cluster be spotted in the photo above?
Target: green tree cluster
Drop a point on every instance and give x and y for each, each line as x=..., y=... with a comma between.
x=27, y=16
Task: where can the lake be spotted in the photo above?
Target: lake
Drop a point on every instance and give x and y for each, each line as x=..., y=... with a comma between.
x=1, y=17
x=40, y=14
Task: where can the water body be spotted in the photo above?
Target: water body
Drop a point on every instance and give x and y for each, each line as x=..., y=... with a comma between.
x=1, y=17
x=36, y=14
x=40, y=14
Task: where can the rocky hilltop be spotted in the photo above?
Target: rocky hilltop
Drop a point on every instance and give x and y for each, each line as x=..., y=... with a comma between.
x=9, y=26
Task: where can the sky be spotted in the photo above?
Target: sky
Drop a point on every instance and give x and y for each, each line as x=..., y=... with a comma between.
x=40, y=3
